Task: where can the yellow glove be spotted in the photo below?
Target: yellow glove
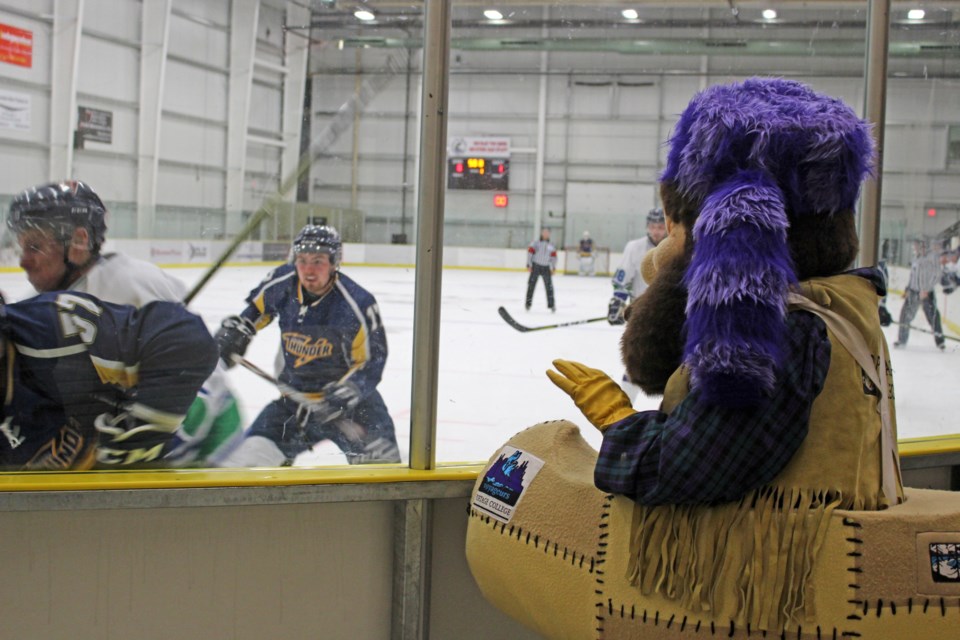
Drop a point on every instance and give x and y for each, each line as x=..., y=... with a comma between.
x=600, y=399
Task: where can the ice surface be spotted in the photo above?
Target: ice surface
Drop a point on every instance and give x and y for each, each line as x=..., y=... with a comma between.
x=492, y=381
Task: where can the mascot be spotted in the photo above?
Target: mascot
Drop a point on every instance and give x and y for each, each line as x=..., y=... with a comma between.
x=764, y=497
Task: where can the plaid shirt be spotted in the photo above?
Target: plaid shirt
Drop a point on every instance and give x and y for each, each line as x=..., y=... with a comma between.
x=702, y=453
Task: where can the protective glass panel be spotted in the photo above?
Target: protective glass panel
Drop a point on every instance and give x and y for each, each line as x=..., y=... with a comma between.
x=558, y=118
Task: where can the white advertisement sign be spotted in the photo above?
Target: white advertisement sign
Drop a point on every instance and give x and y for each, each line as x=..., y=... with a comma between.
x=486, y=147
x=14, y=110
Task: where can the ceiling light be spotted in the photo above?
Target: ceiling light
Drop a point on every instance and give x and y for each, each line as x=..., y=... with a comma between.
x=769, y=14
x=916, y=14
x=363, y=14
x=630, y=14
x=492, y=14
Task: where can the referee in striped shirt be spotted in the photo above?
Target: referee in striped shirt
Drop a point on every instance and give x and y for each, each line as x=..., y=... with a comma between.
x=924, y=276
x=541, y=263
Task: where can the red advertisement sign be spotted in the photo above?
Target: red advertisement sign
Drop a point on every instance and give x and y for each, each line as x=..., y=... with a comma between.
x=16, y=46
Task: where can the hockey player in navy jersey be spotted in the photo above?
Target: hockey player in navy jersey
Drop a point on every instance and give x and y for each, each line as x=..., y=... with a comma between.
x=87, y=383
x=60, y=228
x=334, y=349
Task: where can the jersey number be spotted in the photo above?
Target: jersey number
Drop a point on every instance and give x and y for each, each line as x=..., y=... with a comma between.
x=74, y=324
x=373, y=315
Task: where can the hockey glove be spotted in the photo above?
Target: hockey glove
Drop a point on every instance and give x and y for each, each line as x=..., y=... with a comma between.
x=379, y=450
x=67, y=449
x=316, y=414
x=233, y=337
x=618, y=304
x=126, y=440
x=342, y=395
x=601, y=400
x=885, y=318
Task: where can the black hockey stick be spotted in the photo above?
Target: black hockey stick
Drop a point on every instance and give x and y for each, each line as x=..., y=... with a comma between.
x=524, y=329
x=349, y=428
x=913, y=328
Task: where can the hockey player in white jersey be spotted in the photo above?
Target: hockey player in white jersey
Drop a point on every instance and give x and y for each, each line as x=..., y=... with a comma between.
x=628, y=284
x=60, y=229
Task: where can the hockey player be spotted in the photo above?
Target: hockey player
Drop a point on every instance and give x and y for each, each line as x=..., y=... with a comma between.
x=627, y=282
x=89, y=383
x=948, y=264
x=60, y=228
x=334, y=348
x=586, y=255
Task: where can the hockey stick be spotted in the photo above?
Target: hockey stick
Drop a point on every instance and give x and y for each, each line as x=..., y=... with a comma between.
x=524, y=329
x=318, y=146
x=349, y=428
x=913, y=328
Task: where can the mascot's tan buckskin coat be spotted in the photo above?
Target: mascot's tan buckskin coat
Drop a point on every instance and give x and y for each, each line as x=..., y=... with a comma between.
x=763, y=177
x=766, y=578
x=561, y=565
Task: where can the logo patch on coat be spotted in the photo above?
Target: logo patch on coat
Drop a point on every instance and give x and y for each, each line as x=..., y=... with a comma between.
x=504, y=482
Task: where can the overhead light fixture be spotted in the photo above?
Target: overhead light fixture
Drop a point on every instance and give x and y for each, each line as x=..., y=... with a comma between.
x=630, y=14
x=492, y=14
x=769, y=14
x=916, y=14
x=363, y=14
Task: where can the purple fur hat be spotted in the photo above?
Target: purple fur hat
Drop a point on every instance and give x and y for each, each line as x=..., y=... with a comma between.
x=749, y=154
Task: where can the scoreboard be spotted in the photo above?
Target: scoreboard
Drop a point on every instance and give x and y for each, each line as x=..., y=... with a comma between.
x=478, y=173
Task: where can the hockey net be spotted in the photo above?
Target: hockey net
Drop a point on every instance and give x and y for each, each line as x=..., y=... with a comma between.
x=601, y=261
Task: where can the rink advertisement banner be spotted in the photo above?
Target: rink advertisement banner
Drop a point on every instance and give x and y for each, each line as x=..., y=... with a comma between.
x=486, y=147
x=276, y=251
x=16, y=46
x=246, y=252
x=95, y=125
x=14, y=110
x=171, y=252
x=504, y=483
x=197, y=251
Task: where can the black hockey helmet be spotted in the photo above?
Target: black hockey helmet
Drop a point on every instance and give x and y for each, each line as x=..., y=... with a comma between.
x=319, y=239
x=655, y=215
x=60, y=207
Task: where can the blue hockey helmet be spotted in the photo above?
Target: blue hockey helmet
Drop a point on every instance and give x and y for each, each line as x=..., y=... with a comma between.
x=655, y=215
x=319, y=239
x=60, y=207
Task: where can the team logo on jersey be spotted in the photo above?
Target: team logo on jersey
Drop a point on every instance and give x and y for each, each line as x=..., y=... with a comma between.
x=305, y=348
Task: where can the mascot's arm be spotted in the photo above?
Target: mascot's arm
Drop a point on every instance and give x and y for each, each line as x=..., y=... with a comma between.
x=701, y=453
x=601, y=400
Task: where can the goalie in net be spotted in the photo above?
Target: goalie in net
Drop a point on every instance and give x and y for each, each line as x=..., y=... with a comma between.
x=586, y=259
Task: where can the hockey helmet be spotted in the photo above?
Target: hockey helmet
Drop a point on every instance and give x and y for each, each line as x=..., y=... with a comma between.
x=319, y=239
x=586, y=234
x=655, y=215
x=60, y=207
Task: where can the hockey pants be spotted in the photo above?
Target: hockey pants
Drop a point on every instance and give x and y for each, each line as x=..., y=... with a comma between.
x=540, y=271
x=909, y=311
